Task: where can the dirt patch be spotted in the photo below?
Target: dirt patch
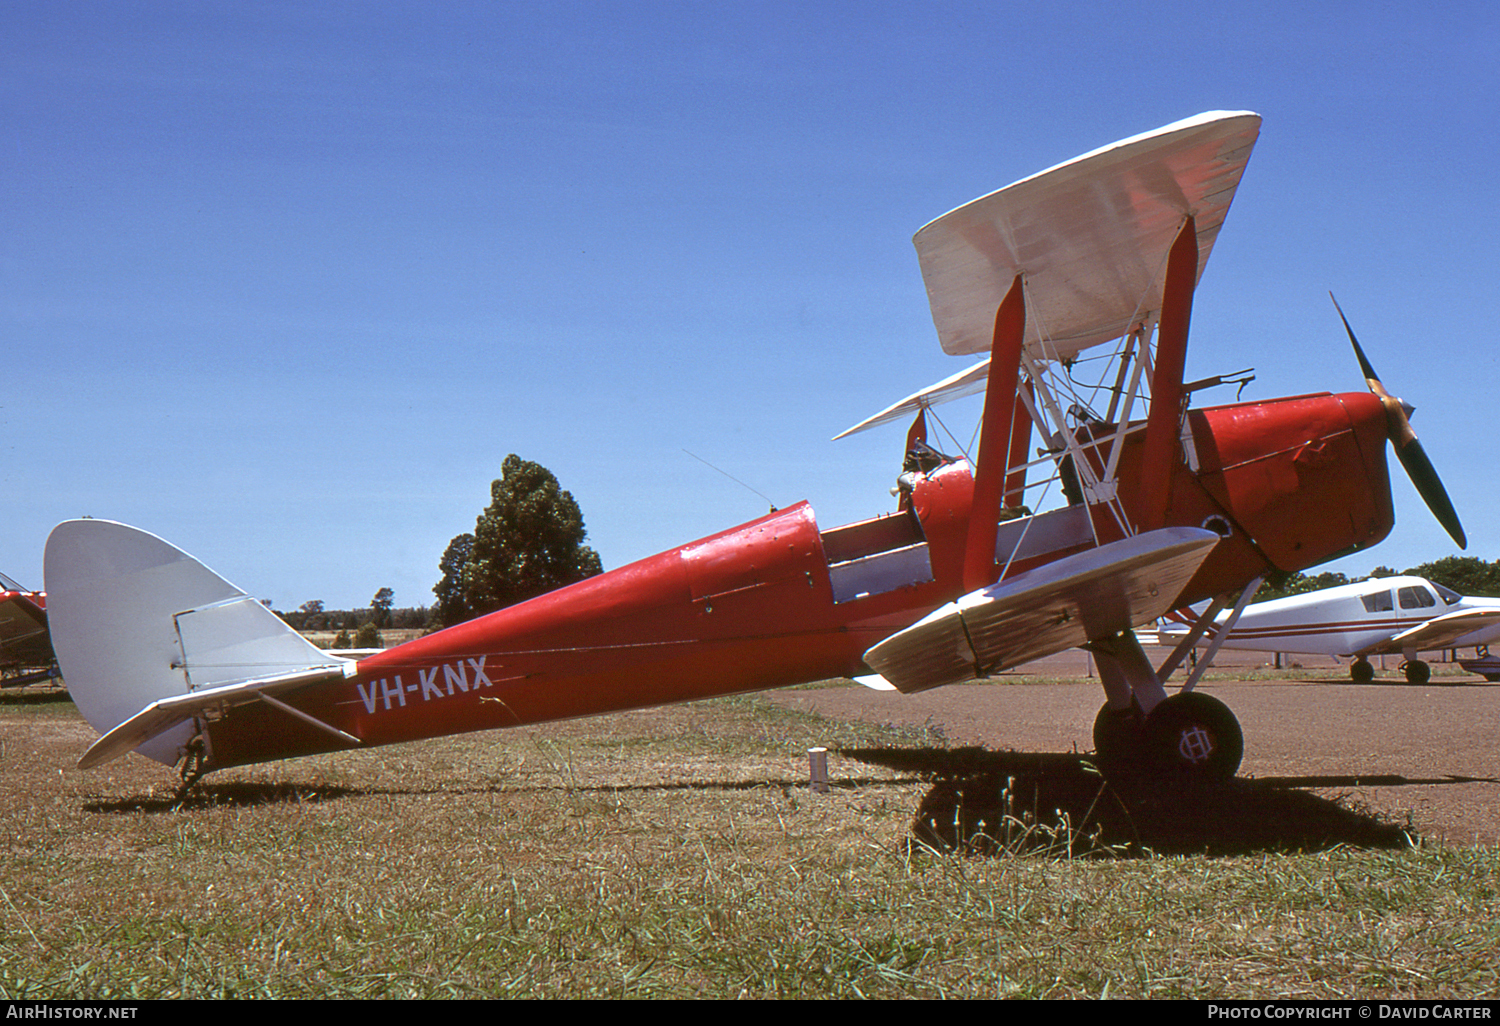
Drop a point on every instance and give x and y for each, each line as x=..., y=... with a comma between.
x=1419, y=757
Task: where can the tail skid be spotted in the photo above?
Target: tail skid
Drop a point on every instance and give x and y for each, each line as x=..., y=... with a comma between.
x=149, y=641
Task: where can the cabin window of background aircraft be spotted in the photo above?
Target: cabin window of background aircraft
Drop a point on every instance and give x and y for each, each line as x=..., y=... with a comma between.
x=1379, y=602
x=1416, y=598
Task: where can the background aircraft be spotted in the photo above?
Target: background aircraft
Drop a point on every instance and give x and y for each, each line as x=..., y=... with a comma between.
x=1379, y=616
x=25, y=648
x=1065, y=279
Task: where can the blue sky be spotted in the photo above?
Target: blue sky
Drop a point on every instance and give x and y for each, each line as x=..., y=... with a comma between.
x=284, y=282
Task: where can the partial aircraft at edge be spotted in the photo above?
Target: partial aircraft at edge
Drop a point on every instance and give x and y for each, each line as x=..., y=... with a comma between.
x=1378, y=616
x=25, y=650
x=1072, y=272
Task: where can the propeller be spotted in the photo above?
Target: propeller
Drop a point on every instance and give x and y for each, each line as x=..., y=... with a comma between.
x=1404, y=440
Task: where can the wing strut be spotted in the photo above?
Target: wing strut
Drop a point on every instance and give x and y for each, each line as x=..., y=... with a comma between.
x=994, y=448
x=1020, y=441
x=1205, y=620
x=1222, y=634
x=1163, y=423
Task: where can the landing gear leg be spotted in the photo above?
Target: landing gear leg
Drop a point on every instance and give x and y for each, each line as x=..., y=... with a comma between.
x=1131, y=686
x=1141, y=726
x=1118, y=737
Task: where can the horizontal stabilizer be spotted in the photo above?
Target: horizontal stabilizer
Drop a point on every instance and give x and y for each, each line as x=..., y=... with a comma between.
x=1055, y=607
x=161, y=716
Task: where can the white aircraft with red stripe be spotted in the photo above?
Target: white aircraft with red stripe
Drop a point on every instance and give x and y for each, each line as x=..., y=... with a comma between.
x=1378, y=616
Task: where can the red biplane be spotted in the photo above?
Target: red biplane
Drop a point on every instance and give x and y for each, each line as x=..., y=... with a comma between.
x=167, y=659
x=25, y=650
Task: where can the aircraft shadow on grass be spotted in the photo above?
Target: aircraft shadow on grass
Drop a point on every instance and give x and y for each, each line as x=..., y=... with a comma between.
x=995, y=803
x=252, y=793
x=228, y=793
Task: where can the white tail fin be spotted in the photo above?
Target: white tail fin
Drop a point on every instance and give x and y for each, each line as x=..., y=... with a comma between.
x=136, y=621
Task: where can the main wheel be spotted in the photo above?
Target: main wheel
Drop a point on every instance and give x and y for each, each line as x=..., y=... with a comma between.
x=1118, y=738
x=1197, y=734
x=1417, y=672
x=1361, y=672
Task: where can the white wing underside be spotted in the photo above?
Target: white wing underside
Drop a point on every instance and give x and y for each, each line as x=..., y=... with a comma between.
x=1055, y=607
x=969, y=381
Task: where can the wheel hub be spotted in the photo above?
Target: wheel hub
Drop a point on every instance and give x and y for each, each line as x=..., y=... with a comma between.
x=1196, y=745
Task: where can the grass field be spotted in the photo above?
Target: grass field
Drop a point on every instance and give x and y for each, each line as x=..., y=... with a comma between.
x=679, y=853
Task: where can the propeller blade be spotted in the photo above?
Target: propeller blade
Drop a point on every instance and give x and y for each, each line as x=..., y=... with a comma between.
x=1404, y=440
x=1371, y=378
x=1419, y=468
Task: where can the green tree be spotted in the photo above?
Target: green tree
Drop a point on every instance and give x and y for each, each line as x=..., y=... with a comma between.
x=1467, y=575
x=314, y=618
x=380, y=608
x=368, y=637
x=1298, y=584
x=528, y=541
x=451, y=606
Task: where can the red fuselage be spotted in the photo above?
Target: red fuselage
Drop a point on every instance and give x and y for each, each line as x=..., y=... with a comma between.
x=1288, y=484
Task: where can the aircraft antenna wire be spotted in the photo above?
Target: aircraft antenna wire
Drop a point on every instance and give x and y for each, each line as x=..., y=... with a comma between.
x=769, y=501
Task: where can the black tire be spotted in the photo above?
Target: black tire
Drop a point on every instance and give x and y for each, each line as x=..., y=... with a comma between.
x=1195, y=734
x=1119, y=739
x=1361, y=672
x=1417, y=672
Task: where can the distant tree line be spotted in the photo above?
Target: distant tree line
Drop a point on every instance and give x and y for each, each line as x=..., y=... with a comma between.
x=1467, y=575
x=381, y=613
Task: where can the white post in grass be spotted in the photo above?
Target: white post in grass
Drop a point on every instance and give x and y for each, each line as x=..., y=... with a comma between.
x=817, y=764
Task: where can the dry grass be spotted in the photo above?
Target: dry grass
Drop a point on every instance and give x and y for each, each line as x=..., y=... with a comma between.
x=678, y=853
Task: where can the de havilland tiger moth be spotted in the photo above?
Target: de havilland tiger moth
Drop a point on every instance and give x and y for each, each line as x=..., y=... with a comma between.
x=1166, y=506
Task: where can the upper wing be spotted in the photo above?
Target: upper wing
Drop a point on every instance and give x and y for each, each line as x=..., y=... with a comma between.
x=1090, y=236
x=968, y=381
x=1439, y=632
x=1057, y=606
